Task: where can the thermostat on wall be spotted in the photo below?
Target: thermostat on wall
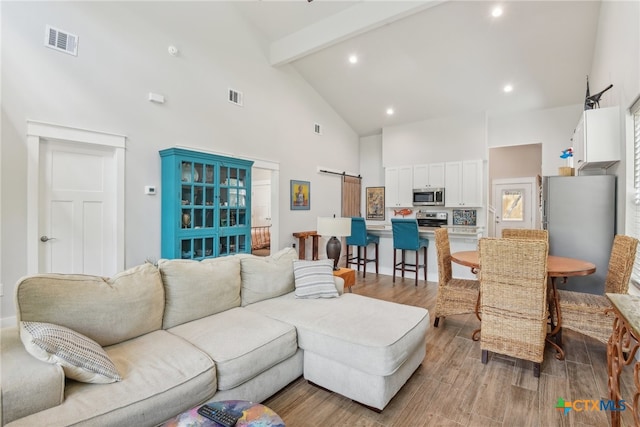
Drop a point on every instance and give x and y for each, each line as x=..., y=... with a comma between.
x=150, y=189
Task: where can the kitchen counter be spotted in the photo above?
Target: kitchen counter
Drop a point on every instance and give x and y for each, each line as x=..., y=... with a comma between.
x=460, y=238
x=453, y=230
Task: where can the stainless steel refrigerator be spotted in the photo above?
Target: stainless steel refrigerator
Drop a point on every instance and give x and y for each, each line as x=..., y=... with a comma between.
x=580, y=214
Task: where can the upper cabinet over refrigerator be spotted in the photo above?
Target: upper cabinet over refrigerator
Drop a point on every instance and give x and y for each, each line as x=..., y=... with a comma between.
x=596, y=139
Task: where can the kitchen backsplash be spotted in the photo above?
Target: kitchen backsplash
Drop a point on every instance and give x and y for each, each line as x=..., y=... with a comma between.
x=464, y=217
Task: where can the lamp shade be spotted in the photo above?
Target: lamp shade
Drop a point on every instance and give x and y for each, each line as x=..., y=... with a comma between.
x=338, y=227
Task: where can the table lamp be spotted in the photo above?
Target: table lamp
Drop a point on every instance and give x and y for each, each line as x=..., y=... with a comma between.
x=334, y=227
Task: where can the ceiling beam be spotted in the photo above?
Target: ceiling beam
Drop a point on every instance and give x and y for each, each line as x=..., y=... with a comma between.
x=358, y=19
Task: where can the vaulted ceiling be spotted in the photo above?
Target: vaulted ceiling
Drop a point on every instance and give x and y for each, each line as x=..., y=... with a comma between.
x=429, y=59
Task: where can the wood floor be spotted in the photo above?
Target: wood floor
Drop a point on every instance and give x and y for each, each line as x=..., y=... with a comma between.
x=453, y=387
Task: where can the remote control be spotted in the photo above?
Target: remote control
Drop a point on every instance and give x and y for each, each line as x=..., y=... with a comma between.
x=220, y=416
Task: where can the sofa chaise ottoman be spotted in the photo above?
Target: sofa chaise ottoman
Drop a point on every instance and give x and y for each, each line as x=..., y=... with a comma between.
x=360, y=347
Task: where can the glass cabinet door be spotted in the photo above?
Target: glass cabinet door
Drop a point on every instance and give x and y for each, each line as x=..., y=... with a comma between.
x=233, y=197
x=197, y=207
x=234, y=244
x=234, y=213
x=195, y=248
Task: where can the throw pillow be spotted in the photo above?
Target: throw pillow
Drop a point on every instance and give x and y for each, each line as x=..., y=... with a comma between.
x=267, y=277
x=314, y=279
x=81, y=358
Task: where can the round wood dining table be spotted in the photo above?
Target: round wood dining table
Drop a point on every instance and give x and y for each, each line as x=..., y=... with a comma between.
x=557, y=266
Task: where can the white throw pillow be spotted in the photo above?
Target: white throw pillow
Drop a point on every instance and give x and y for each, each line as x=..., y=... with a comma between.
x=81, y=358
x=314, y=279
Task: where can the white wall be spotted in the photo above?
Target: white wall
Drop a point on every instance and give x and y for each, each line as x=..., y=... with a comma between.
x=616, y=61
x=442, y=139
x=371, y=168
x=122, y=57
x=552, y=127
x=468, y=137
x=616, y=58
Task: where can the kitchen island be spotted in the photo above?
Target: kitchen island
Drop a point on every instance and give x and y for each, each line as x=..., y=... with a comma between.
x=460, y=239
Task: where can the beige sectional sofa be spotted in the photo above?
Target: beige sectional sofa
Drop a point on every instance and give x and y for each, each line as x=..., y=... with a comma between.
x=186, y=332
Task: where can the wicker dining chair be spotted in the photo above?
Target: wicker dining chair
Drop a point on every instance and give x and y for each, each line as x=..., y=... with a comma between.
x=585, y=313
x=455, y=296
x=525, y=233
x=513, y=283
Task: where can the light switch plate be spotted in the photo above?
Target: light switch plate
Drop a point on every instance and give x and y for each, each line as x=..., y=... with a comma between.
x=156, y=97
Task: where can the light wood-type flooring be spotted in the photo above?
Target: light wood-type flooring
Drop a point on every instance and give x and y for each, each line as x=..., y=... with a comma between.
x=453, y=388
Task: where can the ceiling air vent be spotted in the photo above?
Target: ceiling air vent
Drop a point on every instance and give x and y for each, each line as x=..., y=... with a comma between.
x=317, y=129
x=235, y=97
x=61, y=40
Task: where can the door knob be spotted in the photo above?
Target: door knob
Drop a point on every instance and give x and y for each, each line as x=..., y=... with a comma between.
x=46, y=239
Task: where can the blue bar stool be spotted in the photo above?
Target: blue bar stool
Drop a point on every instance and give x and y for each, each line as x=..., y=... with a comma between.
x=361, y=239
x=406, y=238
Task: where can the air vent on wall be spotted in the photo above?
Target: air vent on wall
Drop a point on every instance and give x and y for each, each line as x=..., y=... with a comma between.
x=235, y=97
x=317, y=129
x=61, y=40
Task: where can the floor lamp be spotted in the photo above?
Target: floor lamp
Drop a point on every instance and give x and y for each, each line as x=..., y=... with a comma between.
x=334, y=227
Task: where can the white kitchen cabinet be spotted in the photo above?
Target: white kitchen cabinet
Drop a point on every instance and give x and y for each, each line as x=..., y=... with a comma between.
x=463, y=184
x=398, y=183
x=428, y=175
x=453, y=184
x=596, y=139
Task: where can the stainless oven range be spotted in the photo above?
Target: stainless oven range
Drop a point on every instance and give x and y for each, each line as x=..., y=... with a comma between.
x=431, y=219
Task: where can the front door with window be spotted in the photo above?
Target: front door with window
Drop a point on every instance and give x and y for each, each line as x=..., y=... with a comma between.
x=514, y=203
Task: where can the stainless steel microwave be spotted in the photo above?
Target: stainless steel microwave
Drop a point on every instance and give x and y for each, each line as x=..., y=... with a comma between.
x=428, y=197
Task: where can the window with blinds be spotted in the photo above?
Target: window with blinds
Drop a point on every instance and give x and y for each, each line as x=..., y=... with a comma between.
x=635, y=111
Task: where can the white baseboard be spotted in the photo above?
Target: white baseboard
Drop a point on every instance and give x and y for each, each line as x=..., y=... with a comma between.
x=6, y=322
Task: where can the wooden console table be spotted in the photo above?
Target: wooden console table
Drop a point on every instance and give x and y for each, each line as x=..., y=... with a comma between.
x=302, y=237
x=621, y=351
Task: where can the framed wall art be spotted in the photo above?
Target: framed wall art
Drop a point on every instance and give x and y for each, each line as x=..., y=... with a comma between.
x=300, y=195
x=375, y=203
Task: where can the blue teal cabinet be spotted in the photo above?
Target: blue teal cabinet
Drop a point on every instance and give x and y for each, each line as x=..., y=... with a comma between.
x=206, y=205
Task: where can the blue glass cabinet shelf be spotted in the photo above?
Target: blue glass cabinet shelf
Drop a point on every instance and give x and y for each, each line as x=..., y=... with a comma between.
x=206, y=205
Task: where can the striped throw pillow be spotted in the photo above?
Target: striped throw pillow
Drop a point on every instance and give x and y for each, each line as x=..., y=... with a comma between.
x=314, y=279
x=81, y=358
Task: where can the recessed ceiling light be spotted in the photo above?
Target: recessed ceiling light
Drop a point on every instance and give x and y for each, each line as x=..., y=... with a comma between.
x=507, y=88
x=390, y=111
x=353, y=59
x=497, y=11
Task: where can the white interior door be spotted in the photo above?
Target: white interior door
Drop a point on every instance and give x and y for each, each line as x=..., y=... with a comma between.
x=514, y=203
x=261, y=203
x=77, y=219
x=265, y=176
